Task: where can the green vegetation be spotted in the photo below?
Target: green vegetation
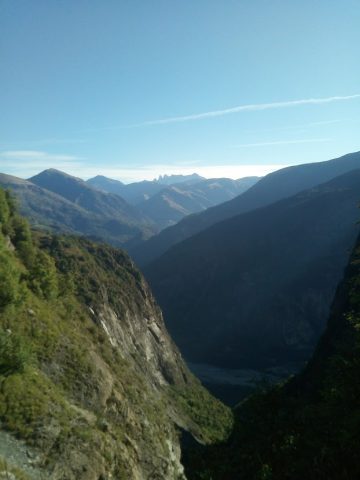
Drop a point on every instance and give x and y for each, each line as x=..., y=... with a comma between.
x=65, y=388
x=308, y=427
x=15, y=353
x=214, y=421
x=61, y=203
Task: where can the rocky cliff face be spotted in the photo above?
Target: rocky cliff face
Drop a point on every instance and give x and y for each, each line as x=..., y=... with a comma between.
x=90, y=380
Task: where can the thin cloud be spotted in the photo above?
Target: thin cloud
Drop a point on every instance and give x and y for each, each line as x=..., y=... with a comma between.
x=327, y=122
x=35, y=155
x=26, y=163
x=248, y=108
x=283, y=142
x=43, y=142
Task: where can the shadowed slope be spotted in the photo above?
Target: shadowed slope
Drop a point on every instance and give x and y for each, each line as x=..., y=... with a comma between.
x=275, y=186
x=259, y=284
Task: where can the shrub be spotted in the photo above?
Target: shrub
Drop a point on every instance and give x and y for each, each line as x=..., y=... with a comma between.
x=9, y=281
x=43, y=276
x=4, y=208
x=15, y=353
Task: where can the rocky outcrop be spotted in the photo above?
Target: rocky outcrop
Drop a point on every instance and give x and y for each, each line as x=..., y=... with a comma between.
x=89, y=377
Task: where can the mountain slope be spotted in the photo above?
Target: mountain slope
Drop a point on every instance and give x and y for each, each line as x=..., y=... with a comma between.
x=138, y=192
x=275, y=186
x=309, y=427
x=133, y=193
x=259, y=284
x=46, y=209
x=79, y=192
x=89, y=377
x=175, y=202
x=175, y=179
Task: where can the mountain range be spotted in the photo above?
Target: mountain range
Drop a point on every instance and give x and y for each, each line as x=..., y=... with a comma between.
x=136, y=192
x=260, y=283
x=175, y=202
x=56, y=200
x=77, y=209
x=170, y=198
x=93, y=386
x=271, y=188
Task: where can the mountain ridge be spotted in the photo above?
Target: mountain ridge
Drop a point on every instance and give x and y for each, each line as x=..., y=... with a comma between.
x=47, y=209
x=307, y=427
x=274, y=186
x=271, y=270
x=91, y=383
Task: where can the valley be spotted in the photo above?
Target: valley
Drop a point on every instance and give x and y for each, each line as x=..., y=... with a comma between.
x=246, y=300
x=179, y=240
x=231, y=386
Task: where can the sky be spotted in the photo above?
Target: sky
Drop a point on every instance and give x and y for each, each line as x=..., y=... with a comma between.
x=132, y=89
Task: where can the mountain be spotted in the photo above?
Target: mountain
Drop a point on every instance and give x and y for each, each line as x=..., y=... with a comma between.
x=133, y=193
x=107, y=184
x=271, y=188
x=309, y=427
x=172, y=197
x=92, y=386
x=68, y=204
x=259, y=284
x=79, y=192
x=173, y=203
x=174, y=179
x=137, y=192
x=93, y=214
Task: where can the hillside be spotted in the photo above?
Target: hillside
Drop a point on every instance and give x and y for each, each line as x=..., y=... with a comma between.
x=91, y=385
x=93, y=216
x=137, y=192
x=79, y=192
x=175, y=202
x=271, y=188
x=259, y=284
x=133, y=193
x=170, y=198
x=308, y=427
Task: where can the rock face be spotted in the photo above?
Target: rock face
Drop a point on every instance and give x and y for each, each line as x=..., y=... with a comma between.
x=89, y=376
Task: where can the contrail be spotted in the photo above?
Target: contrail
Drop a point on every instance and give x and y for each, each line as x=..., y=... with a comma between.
x=249, y=108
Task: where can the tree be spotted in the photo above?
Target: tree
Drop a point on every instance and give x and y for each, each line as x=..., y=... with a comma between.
x=43, y=276
x=9, y=280
x=4, y=208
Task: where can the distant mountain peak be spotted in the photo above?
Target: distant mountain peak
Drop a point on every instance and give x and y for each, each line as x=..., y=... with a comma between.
x=102, y=178
x=54, y=172
x=171, y=179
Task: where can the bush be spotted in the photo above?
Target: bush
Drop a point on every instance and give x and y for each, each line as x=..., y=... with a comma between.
x=15, y=353
x=22, y=239
x=9, y=281
x=43, y=276
x=4, y=208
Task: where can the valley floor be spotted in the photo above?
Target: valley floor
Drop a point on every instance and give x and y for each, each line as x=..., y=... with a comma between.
x=233, y=385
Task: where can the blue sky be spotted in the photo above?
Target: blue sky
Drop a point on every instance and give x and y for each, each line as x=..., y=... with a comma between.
x=132, y=89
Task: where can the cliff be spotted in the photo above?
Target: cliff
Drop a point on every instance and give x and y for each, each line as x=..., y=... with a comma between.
x=91, y=385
